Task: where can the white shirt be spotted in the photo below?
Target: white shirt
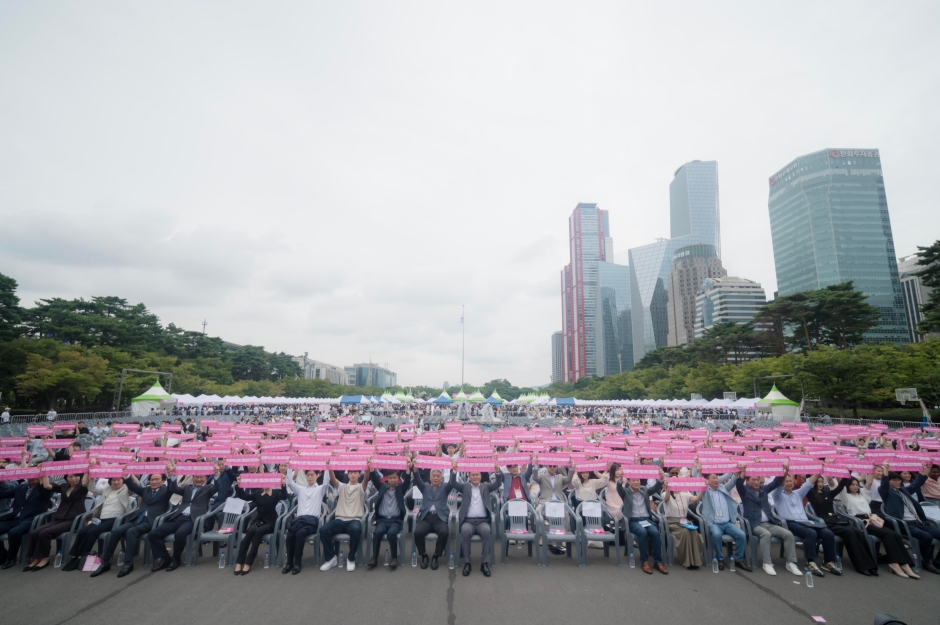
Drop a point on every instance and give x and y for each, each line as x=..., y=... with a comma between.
x=477, y=509
x=309, y=498
x=554, y=496
x=5, y=417
x=874, y=492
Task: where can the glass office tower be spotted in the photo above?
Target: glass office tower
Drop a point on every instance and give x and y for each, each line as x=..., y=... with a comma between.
x=693, y=204
x=588, y=243
x=829, y=224
x=613, y=326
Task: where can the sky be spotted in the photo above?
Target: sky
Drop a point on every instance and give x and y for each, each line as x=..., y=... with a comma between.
x=340, y=178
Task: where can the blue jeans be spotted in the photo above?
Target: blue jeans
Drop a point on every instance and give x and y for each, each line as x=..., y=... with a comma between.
x=647, y=537
x=717, y=530
x=338, y=526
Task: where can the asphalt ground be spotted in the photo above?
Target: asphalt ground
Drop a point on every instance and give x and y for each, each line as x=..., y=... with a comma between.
x=518, y=593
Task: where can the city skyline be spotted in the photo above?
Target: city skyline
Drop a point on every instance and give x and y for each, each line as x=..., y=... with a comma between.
x=340, y=179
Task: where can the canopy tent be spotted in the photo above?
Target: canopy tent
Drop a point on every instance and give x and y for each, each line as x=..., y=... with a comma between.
x=563, y=401
x=354, y=399
x=782, y=408
x=494, y=399
x=443, y=399
x=153, y=399
x=476, y=397
x=461, y=396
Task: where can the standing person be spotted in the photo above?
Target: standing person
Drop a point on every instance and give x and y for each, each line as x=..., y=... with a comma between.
x=789, y=504
x=433, y=515
x=5, y=417
x=688, y=542
x=153, y=501
x=115, y=500
x=756, y=505
x=71, y=505
x=350, y=508
x=29, y=501
x=820, y=497
x=265, y=500
x=309, y=506
x=474, y=516
x=389, y=513
x=857, y=502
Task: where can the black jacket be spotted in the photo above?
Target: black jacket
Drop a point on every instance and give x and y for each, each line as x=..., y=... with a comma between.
x=153, y=502
x=29, y=503
x=382, y=488
x=198, y=503
x=753, y=503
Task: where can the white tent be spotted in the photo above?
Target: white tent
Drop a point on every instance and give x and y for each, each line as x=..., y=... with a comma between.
x=153, y=399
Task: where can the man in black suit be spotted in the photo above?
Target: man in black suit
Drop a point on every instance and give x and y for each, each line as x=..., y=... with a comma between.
x=390, y=509
x=194, y=504
x=154, y=500
x=29, y=501
x=474, y=516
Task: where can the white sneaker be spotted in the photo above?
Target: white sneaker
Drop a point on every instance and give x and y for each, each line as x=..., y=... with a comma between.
x=793, y=569
x=351, y=565
x=328, y=564
x=769, y=569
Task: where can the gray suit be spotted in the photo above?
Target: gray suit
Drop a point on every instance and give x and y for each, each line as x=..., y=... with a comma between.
x=479, y=525
x=546, y=489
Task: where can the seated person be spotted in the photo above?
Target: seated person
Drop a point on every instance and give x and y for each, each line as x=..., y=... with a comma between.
x=71, y=506
x=309, y=506
x=389, y=513
x=789, y=504
x=474, y=517
x=636, y=509
x=350, y=508
x=115, y=501
x=720, y=513
x=433, y=515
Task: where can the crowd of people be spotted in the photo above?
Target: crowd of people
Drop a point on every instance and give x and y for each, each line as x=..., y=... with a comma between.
x=831, y=489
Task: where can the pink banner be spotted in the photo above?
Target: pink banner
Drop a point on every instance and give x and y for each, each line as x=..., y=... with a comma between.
x=433, y=462
x=640, y=471
x=338, y=464
x=125, y=427
x=14, y=440
x=532, y=447
x=422, y=446
x=763, y=469
x=395, y=463
x=717, y=466
x=678, y=460
x=63, y=467
x=511, y=459
x=12, y=453
x=243, y=460
x=26, y=473
x=119, y=457
x=598, y=466
x=105, y=471
x=260, y=480
x=466, y=465
x=830, y=470
x=691, y=484
x=267, y=458
x=182, y=454
x=195, y=468
x=141, y=468
x=390, y=448
x=905, y=465
x=304, y=464
x=39, y=430
x=557, y=460
x=151, y=452
x=57, y=443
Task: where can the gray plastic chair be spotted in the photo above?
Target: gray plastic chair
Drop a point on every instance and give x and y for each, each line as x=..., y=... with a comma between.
x=557, y=532
x=274, y=540
x=199, y=535
x=524, y=525
x=593, y=513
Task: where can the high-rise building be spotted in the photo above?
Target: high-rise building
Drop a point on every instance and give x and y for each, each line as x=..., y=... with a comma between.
x=691, y=265
x=829, y=224
x=724, y=299
x=693, y=204
x=613, y=326
x=315, y=369
x=371, y=374
x=558, y=356
x=588, y=243
x=915, y=295
x=694, y=218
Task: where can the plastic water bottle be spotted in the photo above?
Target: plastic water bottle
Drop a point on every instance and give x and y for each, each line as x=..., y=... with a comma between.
x=342, y=559
x=58, y=559
x=222, y=560
x=809, y=578
x=414, y=557
x=731, y=560
x=714, y=564
x=916, y=560
x=632, y=560
x=838, y=562
x=120, y=560
x=267, y=559
x=386, y=560
x=450, y=561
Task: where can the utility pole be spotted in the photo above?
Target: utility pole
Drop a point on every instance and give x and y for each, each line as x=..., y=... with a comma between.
x=463, y=342
x=204, y=324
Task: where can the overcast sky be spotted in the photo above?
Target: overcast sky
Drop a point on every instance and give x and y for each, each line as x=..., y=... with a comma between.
x=339, y=177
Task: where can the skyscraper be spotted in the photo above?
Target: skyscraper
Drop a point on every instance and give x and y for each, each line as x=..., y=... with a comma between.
x=558, y=356
x=613, y=326
x=588, y=242
x=915, y=295
x=694, y=218
x=829, y=224
x=691, y=265
x=725, y=299
x=693, y=204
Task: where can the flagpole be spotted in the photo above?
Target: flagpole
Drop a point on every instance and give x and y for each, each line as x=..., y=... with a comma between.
x=463, y=342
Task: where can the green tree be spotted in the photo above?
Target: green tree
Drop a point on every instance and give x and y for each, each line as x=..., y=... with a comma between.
x=843, y=314
x=929, y=259
x=845, y=377
x=73, y=374
x=10, y=311
x=250, y=363
x=283, y=366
